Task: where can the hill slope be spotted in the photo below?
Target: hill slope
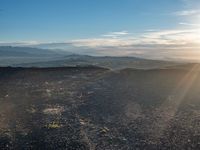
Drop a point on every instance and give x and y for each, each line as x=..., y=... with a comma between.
x=94, y=108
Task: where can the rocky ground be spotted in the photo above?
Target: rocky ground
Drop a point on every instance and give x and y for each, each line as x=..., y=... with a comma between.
x=83, y=108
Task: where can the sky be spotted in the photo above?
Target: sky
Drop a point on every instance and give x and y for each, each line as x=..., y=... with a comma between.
x=145, y=28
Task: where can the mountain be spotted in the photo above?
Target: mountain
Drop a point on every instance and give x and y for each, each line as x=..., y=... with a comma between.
x=10, y=56
x=116, y=63
x=9, y=51
x=35, y=57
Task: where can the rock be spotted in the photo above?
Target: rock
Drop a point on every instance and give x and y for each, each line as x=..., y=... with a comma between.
x=82, y=122
x=124, y=139
x=104, y=130
x=90, y=92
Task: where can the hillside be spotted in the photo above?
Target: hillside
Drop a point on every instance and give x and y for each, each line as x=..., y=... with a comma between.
x=95, y=108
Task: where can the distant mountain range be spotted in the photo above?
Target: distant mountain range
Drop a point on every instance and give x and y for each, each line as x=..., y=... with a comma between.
x=10, y=56
x=35, y=57
x=9, y=51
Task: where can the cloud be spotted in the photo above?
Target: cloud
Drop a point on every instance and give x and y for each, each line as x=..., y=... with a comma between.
x=189, y=24
x=191, y=3
x=152, y=38
x=156, y=44
x=19, y=43
x=187, y=13
x=102, y=42
x=152, y=30
x=116, y=34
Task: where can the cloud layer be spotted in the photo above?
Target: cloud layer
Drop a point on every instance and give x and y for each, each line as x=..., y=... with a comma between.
x=180, y=43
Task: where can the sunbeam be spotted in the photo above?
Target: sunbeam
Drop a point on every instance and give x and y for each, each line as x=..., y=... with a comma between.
x=170, y=107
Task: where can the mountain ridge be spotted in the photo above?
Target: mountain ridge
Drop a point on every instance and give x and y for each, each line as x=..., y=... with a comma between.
x=35, y=57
